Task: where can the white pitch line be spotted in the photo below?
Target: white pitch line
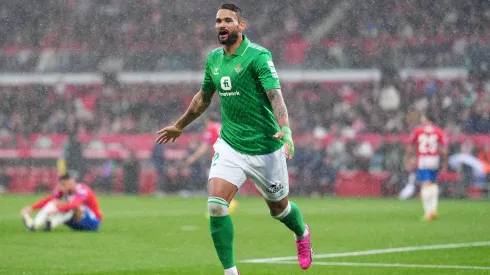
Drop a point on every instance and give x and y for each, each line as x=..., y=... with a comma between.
x=467, y=267
x=374, y=252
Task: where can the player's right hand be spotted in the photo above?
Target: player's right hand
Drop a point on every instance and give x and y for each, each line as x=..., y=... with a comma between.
x=170, y=133
x=26, y=210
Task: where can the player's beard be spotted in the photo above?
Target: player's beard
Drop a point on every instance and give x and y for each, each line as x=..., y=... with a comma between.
x=231, y=39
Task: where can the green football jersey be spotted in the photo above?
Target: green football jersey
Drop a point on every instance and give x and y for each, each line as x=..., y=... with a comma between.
x=242, y=80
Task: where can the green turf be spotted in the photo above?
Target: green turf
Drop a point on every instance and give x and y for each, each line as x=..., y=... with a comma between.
x=146, y=235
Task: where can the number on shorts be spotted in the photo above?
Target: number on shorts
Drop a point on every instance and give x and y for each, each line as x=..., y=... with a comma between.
x=215, y=158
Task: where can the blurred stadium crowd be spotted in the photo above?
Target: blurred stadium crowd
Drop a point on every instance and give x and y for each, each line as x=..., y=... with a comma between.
x=153, y=35
x=315, y=108
x=71, y=36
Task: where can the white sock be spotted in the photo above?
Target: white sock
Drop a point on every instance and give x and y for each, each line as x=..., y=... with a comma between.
x=435, y=198
x=60, y=218
x=426, y=199
x=42, y=215
x=305, y=234
x=231, y=271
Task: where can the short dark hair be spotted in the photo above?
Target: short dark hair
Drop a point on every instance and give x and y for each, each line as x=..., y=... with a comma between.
x=234, y=8
x=64, y=177
x=430, y=116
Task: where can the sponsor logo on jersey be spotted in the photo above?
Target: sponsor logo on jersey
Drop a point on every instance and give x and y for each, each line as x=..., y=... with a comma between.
x=225, y=83
x=235, y=93
x=275, y=188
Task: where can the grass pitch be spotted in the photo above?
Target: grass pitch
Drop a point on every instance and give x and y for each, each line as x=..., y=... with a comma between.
x=146, y=235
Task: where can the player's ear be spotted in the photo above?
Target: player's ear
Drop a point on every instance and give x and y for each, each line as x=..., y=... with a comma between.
x=242, y=26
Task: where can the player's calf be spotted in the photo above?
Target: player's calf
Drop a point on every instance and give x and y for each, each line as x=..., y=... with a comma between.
x=430, y=195
x=289, y=214
x=222, y=233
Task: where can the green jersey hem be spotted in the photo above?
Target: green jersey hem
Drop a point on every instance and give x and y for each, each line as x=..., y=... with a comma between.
x=267, y=151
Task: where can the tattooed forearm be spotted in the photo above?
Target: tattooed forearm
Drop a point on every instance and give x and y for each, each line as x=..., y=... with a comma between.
x=278, y=106
x=199, y=104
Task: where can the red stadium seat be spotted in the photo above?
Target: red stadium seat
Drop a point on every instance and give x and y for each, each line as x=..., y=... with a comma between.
x=475, y=191
x=148, y=181
x=359, y=184
x=248, y=189
x=118, y=180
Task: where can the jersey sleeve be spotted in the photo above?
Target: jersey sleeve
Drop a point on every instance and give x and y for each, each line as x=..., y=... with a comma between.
x=413, y=137
x=75, y=203
x=266, y=71
x=42, y=202
x=81, y=195
x=207, y=83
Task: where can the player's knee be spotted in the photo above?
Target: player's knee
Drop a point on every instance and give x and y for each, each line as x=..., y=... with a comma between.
x=434, y=189
x=429, y=189
x=217, y=207
x=50, y=206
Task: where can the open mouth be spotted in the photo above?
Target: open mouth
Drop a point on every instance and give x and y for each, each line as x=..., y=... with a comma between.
x=223, y=34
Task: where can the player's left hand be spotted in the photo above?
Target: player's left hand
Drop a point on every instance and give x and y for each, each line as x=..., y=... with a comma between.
x=286, y=136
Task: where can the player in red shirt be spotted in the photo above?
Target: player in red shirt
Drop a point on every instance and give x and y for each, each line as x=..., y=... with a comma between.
x=431, y=143
x=208, y=138
x=73, y=204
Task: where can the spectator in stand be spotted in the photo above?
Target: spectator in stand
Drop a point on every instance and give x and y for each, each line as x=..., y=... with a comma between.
x=131, y=170
x=73, y=156
x=5, y=180
x=77, y=36
x=158, y=161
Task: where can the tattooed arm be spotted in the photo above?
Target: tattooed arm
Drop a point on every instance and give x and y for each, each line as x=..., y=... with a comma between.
x=278, y=106
x=281, y=114
x=199, y=104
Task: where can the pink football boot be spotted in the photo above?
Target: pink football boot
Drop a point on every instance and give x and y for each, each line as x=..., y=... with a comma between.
x=305, y=252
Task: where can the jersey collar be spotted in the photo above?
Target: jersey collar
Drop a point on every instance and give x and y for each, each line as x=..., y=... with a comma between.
x=242, y=48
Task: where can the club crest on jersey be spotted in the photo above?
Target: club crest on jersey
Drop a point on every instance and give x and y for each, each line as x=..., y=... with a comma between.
x=216, y=71
x=238, y=69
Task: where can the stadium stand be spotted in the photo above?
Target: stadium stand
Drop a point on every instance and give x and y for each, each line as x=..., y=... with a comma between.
x=345, y=120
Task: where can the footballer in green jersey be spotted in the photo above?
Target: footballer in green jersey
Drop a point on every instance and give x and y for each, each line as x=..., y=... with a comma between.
x=255, y=136
x=242, y=79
